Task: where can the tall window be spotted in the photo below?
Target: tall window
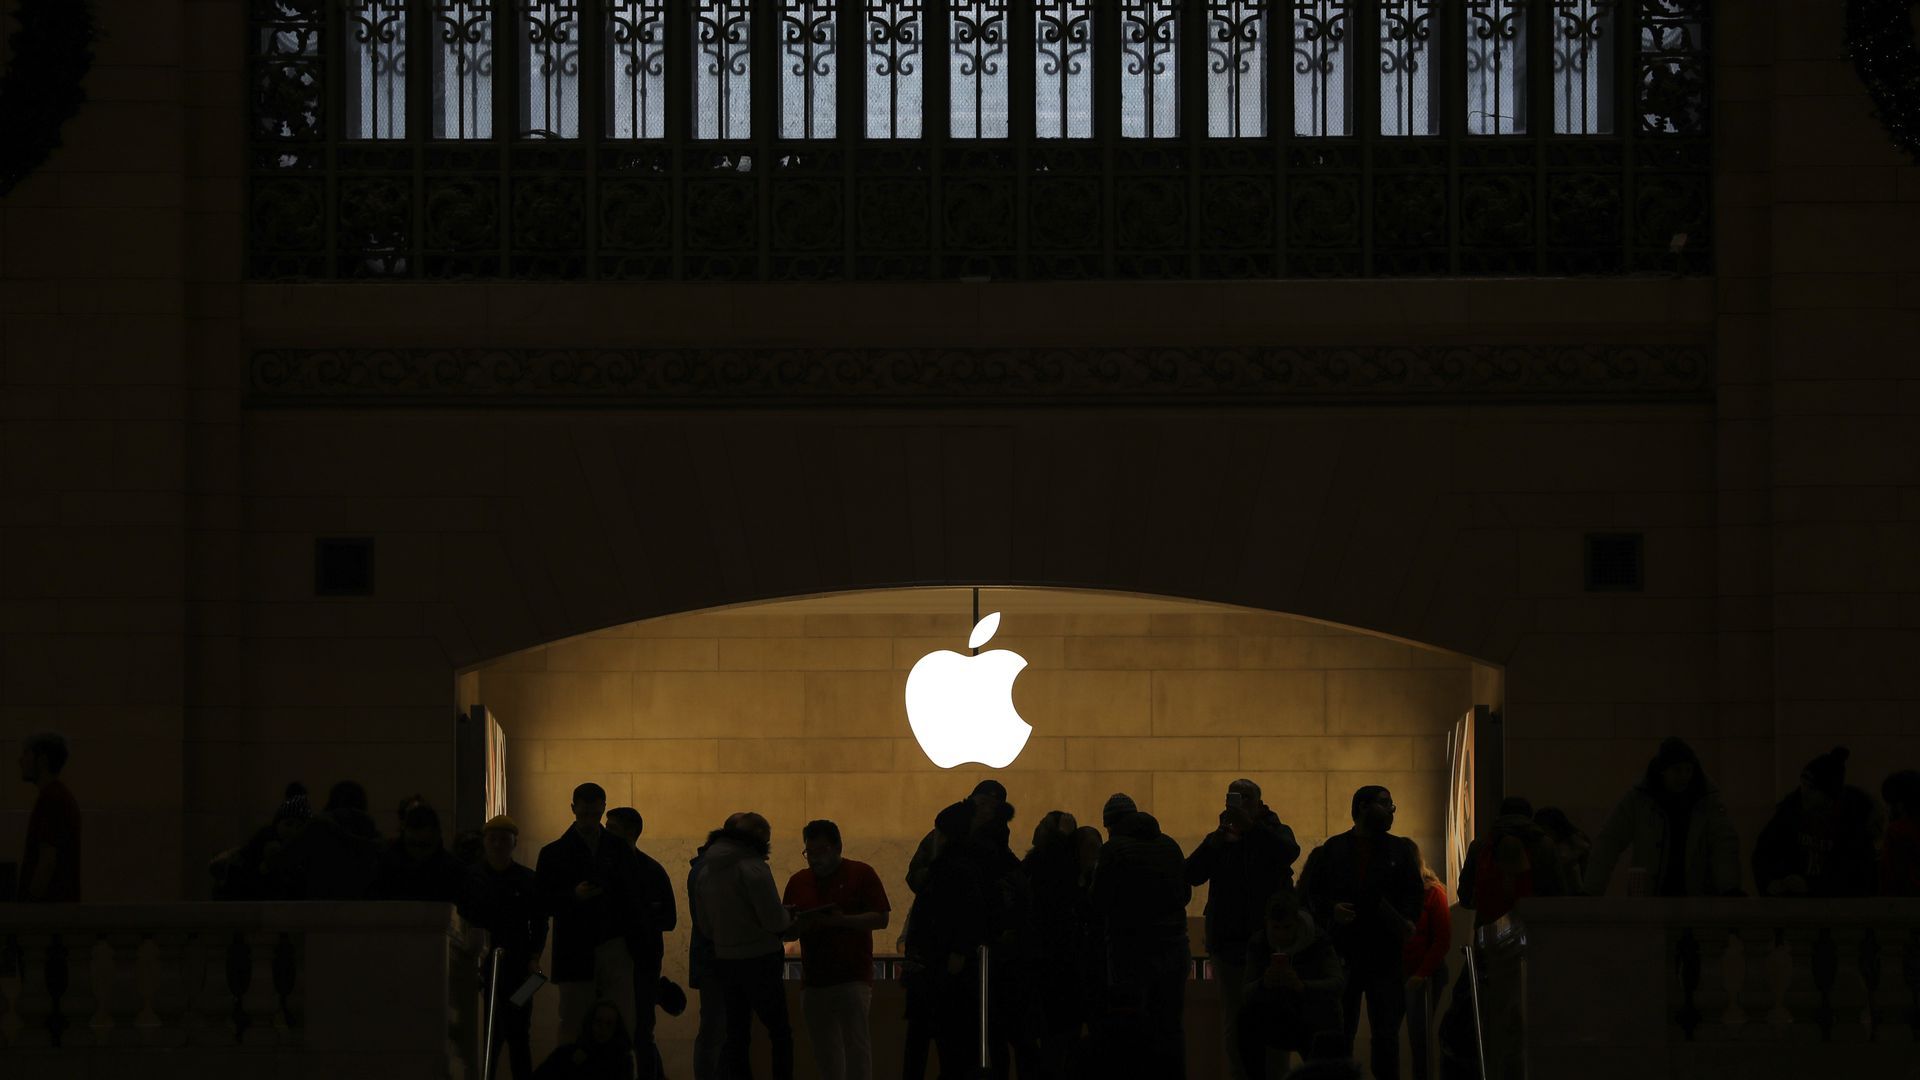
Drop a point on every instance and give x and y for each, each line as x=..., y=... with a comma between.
x=549, y=33
x=1149, y=69
x=722, y=70
x=1583, y=58
x=1322, y=104
x=1496, y=67
x=977, y=76
x=376, y=82
x=636, y=69
x=1063, y=69
x=807, y=69
x=1410, y=94
x=462, y=83
x=895, y=37
x=1237, y=69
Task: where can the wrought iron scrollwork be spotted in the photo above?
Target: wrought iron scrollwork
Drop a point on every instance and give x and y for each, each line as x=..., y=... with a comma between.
x=1063, y=56
x=808, y=94
x=1237, y=35
x=896, y=36
x=1672, y=67
x=977, y=70
x=637, y=68
x=722, y=77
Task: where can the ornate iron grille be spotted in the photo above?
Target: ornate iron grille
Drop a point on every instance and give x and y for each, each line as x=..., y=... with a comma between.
x=729, y=140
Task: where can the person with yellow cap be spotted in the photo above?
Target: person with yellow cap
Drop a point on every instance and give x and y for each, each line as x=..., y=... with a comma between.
x=501, y=897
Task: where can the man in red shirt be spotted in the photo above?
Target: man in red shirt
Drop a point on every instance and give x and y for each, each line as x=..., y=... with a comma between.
x=836, y=954
x=50, y=871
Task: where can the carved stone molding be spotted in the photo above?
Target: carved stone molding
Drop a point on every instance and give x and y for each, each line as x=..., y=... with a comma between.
x=1201, y=375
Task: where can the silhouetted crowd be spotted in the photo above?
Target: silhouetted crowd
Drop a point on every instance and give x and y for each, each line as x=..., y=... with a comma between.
x=1080, y=943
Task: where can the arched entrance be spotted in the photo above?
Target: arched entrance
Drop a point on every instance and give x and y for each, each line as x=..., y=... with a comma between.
x=795, y=708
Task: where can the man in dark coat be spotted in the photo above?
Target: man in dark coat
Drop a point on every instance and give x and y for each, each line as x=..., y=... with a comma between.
x=1364, y=886
x=652, y=915
x=585, y=879
x=1247, y=859
x=945, y=928
x=1820, y=841
x=418, y=865
x=1140, y=893
x=501, y=897
x=343, y=843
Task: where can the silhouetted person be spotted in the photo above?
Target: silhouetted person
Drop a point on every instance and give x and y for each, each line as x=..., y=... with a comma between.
x=343, y=846
x=1900, y=855
x=1515, y=859
x=1820, y=839
x=1140, y=894
x=272, y=865
x=1676, y=827
x=712, y=1032
x=1062, y=913
x=1570, y=846
x=1364, y=887
x=740, y=908
x=836, y=956
x=1424, y=961
x=1247, y=859
x=50, y=865
x=651, y=915
x=418, y=866
x=945, y=929
x=502, y=897
x=918, y=984
x=601, y=1052
x=1294, y=981
x=1013, y=1026
x=585, y=878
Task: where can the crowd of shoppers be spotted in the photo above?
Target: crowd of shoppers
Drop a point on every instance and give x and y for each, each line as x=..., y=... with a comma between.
x=1082, y=944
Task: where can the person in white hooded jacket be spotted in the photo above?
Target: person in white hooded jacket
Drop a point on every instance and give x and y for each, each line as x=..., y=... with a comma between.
x=738, y=908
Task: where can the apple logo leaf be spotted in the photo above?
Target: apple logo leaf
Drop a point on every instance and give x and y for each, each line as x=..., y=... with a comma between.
x=984, y=631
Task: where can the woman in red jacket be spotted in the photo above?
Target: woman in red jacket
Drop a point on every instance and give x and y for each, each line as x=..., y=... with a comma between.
x=1424, y=958
x=1900, y=855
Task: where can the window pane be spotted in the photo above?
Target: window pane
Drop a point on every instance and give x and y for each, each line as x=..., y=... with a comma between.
x=894, y=37
x=807, y=62
x=1583, y=33
x=1409, y=77
x=1321, y=76
x=1149, y=69
x=549, y=69
x=1496, y=67
x=1063, y=69
x=376, y=69
x=1671, y=70
x=722, y=70
x=977, y=71
x=1236, y=68
x=636, y=69
x=463, y=69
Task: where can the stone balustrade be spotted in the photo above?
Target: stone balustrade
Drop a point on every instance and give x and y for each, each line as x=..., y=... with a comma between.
x=1721, y=987
x=288, y=990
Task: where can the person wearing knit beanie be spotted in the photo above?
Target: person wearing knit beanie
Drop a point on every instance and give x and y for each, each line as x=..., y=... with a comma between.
x=1119, y=805
x=1675, y=830
x=1820, y=840
x=1827, y=773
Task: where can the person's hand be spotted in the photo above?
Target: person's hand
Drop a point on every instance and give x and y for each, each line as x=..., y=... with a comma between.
x=587, y=890
x=956, y=963
x=1344, y=914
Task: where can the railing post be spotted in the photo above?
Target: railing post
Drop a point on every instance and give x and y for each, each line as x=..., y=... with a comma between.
x=1733, y=978
x=1780, y=979
x=123, y=998
x=35, y=1006
x=172, y=993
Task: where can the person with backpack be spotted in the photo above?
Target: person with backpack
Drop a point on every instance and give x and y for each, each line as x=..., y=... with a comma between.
x=1515, y=859
x=1140, y=893
x=945, y=928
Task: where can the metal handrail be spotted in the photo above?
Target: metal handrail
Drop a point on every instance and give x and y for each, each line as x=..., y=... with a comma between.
x=986, y=1048
x=493, y=1005
x=1479, y=1028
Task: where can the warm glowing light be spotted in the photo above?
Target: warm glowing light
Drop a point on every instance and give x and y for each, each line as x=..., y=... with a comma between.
x=961, y=707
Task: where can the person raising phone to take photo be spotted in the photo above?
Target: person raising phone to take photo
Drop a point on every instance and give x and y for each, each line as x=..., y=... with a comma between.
x=1294, y=980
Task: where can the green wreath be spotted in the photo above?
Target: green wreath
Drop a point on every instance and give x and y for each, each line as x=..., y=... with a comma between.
x=1881, y=36
x=51, y=52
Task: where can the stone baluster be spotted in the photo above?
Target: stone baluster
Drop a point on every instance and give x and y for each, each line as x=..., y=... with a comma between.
x=70, y=981
x=286, y=982
x=212, y=999
x=1687, y=960
x=170, y=997
x=35, y=1005
x=123, y=995
x=1826, y=969
x=1780, y=979
x=1910, y=973
x=9, y=991
x=1870, y=976
x=1733, y=976
x=261, y=1000
x=238, y=966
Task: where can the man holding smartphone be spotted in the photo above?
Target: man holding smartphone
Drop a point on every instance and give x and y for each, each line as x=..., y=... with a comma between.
x=586, y=879
x=1293, y=983
x=1247, y=860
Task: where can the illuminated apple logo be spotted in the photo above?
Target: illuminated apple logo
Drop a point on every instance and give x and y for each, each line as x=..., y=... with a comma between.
x=961, y=707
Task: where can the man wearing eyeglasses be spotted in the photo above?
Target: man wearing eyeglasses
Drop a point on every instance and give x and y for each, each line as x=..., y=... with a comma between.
x=1363, y=886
